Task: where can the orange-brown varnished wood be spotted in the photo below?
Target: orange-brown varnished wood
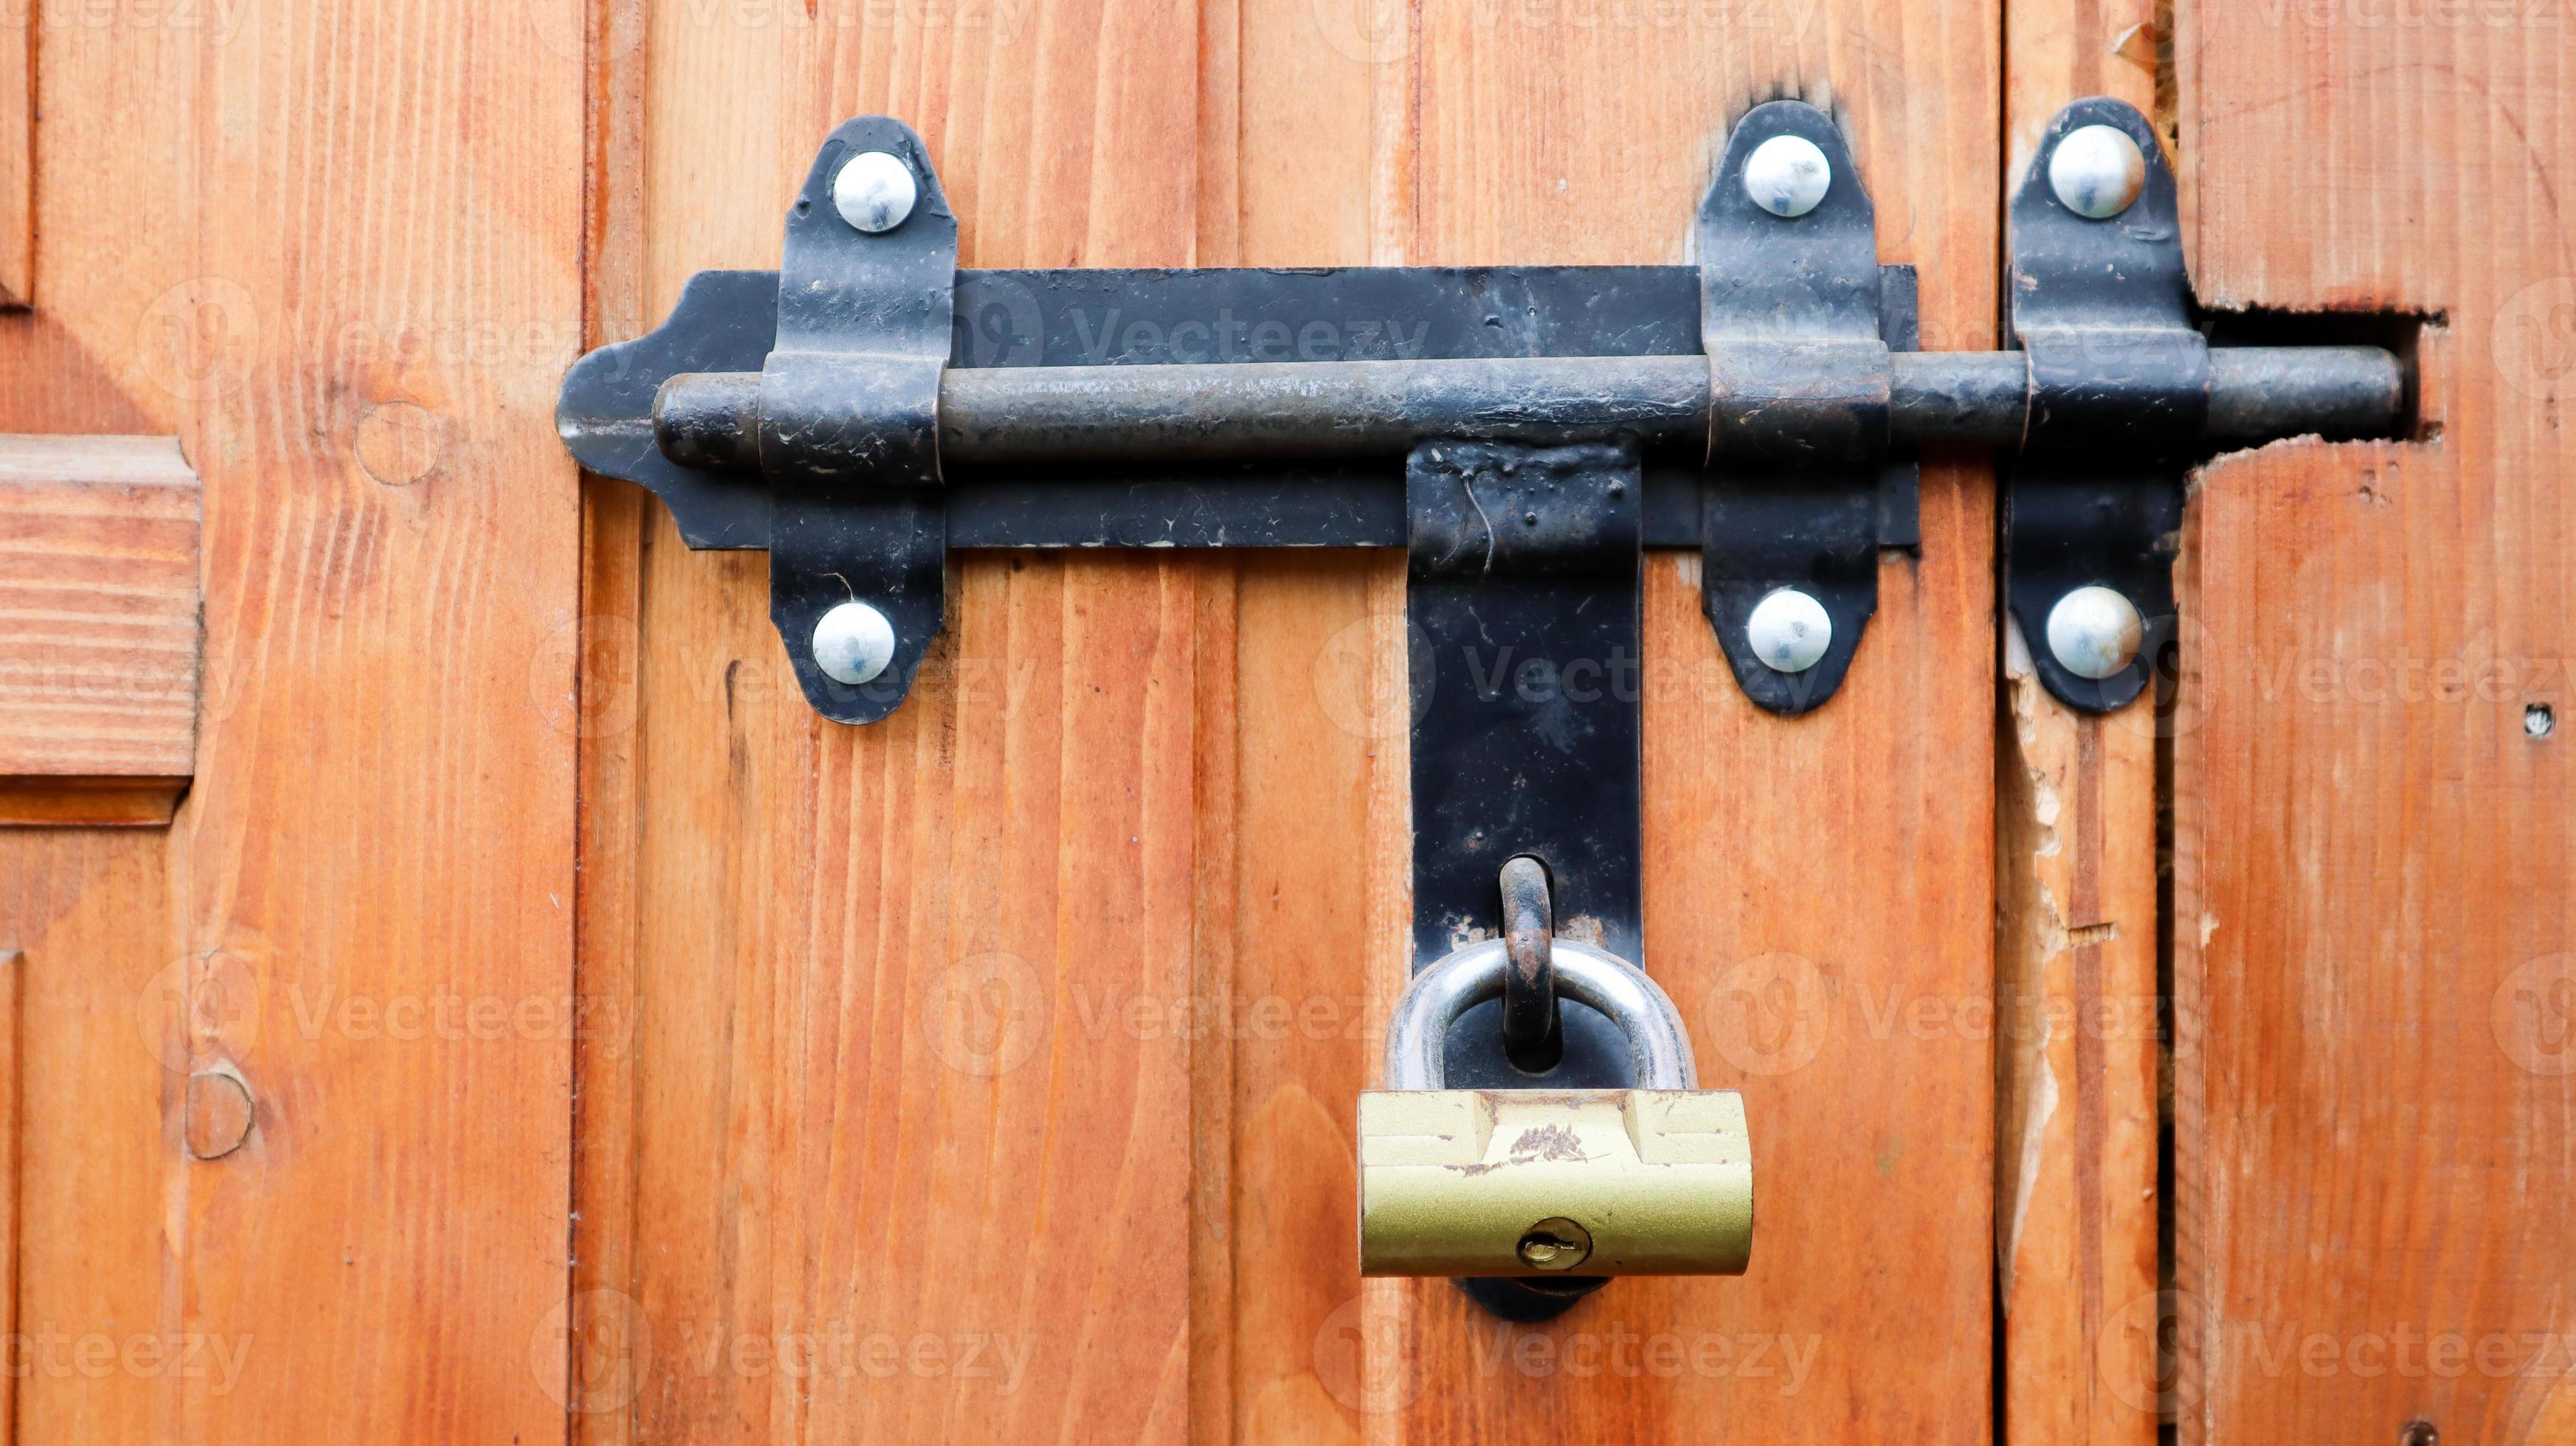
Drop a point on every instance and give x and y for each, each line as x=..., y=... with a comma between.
x=2375, y=1090
x=99, y=618
x=145, y=801
x=104, y=1016
x=1809, y=882
x=291, y=238
x=12, y=1011
x=295, y=239
x=607, y=1345
x=910, y=1092
x=389, y=205
x=18, y=157
x=2078, y=1028
x=104, y=999
x=927, y=981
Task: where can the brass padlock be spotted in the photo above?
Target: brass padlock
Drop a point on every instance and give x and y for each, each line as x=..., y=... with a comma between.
x=1656, y=1180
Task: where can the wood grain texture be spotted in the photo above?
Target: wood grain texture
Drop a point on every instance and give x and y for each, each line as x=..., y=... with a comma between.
x=597, y=711
x=105, y=1014
x=2077, y=1022
x=923, y=984
x=99, y=614
x=13, y=1013
x=359, y=325
x=2078, y=1034
x=18, y=157
x=2375, y=1094
x=1818, y=891
x=381, y=835
x=1318, y=883
x=912, y=1085
x=107, y=1000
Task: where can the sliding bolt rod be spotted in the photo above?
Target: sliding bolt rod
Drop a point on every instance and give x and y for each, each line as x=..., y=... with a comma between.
x=1382, y=408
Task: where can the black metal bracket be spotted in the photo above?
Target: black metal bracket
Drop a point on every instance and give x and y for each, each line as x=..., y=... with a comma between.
x=822, y=439
x=1524, y=432
x=1522, y=608
x=849, y=437
x=2120, y=388
x=1798, y=340
x=871, y=407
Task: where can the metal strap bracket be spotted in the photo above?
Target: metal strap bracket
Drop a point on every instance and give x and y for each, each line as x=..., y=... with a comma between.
x=2120, y=391
x=1524, y=432
x=870, y=406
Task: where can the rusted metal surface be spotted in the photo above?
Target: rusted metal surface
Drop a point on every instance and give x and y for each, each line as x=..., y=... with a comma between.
x=1221, y=411
x=1531, y=1037
x=870, y=406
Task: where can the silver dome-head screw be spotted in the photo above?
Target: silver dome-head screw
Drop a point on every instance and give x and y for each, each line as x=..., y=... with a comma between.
x=1787, y=176
x=1789, y=631
x=2097, y=171
x=2094, y=632
x=853, y=644
x=875, y=191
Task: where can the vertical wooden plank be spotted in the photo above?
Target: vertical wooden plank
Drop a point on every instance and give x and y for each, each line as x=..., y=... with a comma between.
x=105, y=994
x=2077, y=1025
x=2078, y=1036
x=606, y=1344
x=103, y=1019
x=2375, y=1098
x=18, y=157
x=279, y=359
x=13, y=1013
x=1818, y=891
x=381, y=831
x=1321, y=875
x=1215, y=919
x=663, y=1147
x=915, y=1079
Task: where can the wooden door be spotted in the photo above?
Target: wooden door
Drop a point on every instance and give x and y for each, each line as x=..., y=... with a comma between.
x=496, y=1008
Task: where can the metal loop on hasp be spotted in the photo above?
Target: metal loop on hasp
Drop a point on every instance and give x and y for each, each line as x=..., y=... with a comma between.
x=1417, y=1035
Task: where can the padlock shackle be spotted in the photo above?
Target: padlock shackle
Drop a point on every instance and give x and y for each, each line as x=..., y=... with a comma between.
x=1417, y=1037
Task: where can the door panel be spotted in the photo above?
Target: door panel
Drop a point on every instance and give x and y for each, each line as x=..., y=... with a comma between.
x=2374, y=1108
x=2079, y=942
x=1094, y=934
x=990, y=1071
x=299, y=239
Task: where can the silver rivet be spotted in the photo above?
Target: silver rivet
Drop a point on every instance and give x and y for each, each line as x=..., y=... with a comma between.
x=2094, y=632
x=1789, y=631
x=2097, y=171
x=875, y=191
x=1787, y=176
x=853, y=643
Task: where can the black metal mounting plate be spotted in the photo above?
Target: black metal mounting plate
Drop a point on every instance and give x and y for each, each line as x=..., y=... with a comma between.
x=835, y=343
x=1146, y=317
x=863, y=323
x=1522, y=615
x=1525, y=555
x=2120, y=392
x=1791, y=314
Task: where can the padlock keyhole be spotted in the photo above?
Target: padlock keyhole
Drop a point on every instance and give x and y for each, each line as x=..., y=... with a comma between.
x=1555, y=1244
